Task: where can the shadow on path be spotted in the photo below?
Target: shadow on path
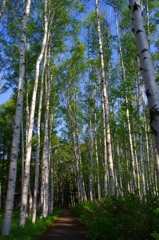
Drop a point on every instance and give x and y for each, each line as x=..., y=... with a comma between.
x=66, y=227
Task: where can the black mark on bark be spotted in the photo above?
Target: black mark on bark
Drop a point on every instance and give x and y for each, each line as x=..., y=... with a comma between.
x=148, y=94
x=144, y=50
x=138, y=31
x=136, y=7
x=142, y=69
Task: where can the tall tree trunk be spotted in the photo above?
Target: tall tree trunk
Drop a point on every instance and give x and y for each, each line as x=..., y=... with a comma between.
x=2, y=9
x=148, y=21
x=23, y=155
x=45, y=157
x=51, y=170
x=31, y=122
x=91, y=160
x=38, y=142
x=106, y=106
x=105, y=163
x=96, y=156
x=140, y=155
x=127, y=109
x=30, y=205
x=146, y=66
x=16, y=135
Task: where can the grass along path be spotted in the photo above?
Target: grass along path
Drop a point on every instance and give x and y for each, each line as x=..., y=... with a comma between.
x=30, y=231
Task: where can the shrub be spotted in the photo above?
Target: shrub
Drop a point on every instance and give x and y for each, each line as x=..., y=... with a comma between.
x=121, y=218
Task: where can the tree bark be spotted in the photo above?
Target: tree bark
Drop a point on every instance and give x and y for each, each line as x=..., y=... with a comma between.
x=106, y=106
x=51, y=169
x=45, y=157
x=146, y=66
x=2, y=9
x=31, y=122
x=38, y=142
x=132, y=156
x=16, y=135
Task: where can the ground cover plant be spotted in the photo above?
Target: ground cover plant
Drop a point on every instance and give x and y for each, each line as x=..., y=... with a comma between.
x=121, y=218
x=30, y=231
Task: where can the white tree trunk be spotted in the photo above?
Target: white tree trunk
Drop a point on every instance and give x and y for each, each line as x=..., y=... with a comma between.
x=31, y=122
x=51, y=178
x=127, y=110
x=30, y=205
x=38, y=142
x=148, y=21
x=147, y=69
x=16, y=135
x=2, y=9
x=45, y=157
x=141, y=150
x=106, y=106
x=91, y=160
x=105, y=164
x=22, y=146
x=96, y=156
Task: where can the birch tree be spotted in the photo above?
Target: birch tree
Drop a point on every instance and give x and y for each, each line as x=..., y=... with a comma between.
x=51, y=165
x=2, y=9
x=16, y=134
x=127, y=109
x=38, y=141
x=24, y=198
x=146, y=66
x=105, y=105
x=45, y=157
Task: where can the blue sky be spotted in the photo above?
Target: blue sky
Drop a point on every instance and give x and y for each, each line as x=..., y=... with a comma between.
x=5, y=96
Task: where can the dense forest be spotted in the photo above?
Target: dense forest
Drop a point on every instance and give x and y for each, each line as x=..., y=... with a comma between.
x=82, y=123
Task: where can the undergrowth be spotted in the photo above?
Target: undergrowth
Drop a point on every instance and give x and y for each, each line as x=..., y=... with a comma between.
x=30, y=231
x=126, y=218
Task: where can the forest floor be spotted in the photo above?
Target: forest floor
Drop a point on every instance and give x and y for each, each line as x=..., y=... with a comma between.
x=66, y=227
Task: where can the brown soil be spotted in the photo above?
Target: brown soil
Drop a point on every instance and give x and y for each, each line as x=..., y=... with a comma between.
x=66, y=227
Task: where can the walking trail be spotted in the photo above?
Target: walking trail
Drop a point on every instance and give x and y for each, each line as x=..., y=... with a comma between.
x=66, y=227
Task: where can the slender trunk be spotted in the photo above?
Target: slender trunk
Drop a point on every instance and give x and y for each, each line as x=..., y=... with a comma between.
x=106, y=107
x=76, y=148
x=147, y=156
x=105, y=164
x=45, y=157
x=30, y=205
x=141, y=157
x=78, y=168
x=96, y=156
x=91, y=160
x=148, y=21
x=31, y=122
x=146, y=66
x=156, y=167
x=2, y=9
x=16, y=134
x=51, y=179
x=127, y=110
x=81, y=173
x=119, y=178
x=38, y=142
x=22, y=146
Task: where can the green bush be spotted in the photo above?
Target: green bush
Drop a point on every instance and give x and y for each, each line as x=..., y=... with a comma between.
x=121, y=218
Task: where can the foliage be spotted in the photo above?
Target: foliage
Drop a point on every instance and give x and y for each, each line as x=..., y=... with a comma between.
x=30, y=231
x=121, y=218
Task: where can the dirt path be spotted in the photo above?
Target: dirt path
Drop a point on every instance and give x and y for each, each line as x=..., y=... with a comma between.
x=66, y=227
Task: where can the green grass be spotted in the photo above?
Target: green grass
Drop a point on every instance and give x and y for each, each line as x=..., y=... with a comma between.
x=30, y=231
